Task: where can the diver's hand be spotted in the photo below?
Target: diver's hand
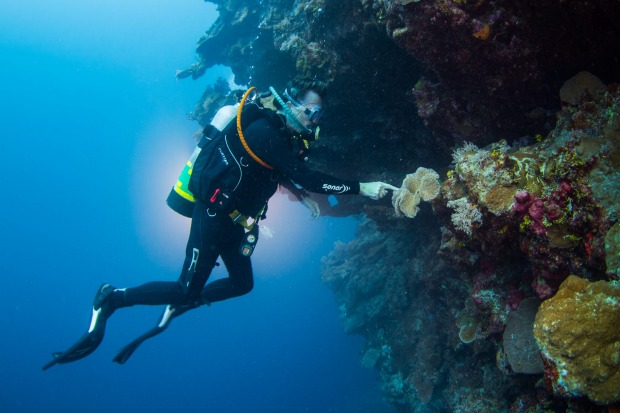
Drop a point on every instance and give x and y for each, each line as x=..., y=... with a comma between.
x=375, y=190
x=311, y=204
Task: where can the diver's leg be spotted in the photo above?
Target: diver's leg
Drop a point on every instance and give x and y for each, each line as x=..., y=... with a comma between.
x=240, y=281
x=203, y=248
x=196, y=270
x=240, y=278
x=201, y=255
x=151, y=293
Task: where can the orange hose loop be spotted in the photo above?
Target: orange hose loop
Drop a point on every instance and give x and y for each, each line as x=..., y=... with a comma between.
x=243, y=142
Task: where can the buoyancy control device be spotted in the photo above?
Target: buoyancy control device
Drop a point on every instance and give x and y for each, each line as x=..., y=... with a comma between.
x=213, y=172
x=181, y=199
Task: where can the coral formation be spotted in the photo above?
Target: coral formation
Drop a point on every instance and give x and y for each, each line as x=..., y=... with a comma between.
x=548, y=199
x=527, y=216
x=577, y=332
x=401, y=319
x=503, y=48
x=422, y=185
x=467, y=332
x=577, y=86
x=612, y=251
x=424, y=181
x=465, y=215
x=406, y=203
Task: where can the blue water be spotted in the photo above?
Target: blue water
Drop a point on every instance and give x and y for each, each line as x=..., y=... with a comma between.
x=93, y=131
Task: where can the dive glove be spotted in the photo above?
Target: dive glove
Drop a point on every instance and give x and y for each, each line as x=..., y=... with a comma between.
x=375, y=190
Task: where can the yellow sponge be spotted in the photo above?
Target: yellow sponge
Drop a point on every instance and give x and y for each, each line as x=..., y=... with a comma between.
x=577, y=332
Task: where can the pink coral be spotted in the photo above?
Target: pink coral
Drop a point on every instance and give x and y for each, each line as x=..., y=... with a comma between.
x=536, y=210
x=522, y=197
x=553, y=212
x=542, y=289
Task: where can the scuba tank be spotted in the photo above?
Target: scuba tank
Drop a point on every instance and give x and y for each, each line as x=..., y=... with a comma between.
x=180, y=198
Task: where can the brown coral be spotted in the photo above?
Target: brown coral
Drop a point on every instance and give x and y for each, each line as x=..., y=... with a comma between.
x=574, y=88
x=468, y=332
x=406, y=203
x=423, y=180
x=500, y=198
x=577, y=331
x=423, y=184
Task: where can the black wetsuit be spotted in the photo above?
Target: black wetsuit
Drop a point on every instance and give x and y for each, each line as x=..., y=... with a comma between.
x=213, y=234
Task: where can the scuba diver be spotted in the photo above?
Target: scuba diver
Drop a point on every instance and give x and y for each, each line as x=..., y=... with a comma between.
x=236, y=168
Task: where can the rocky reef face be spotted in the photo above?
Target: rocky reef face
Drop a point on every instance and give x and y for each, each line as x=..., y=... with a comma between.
x=529, y=197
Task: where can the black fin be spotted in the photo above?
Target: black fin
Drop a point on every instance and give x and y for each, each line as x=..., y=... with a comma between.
x=170, y=312
x=128, y=350
x=84, y=346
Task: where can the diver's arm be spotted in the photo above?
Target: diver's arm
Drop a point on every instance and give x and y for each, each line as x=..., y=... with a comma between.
x=322, y=183
x=297, y=191
x=285, y=162
x=304, y=197
x=318, y=182
x=273, y=149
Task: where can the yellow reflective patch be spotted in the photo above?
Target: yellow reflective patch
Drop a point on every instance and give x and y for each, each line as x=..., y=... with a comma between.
x=183, y=193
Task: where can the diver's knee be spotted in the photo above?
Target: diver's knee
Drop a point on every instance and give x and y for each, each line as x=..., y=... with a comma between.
x=246, y=287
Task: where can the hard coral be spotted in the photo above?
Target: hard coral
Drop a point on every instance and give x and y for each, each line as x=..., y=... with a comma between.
x=468, y=331
x=553, y=200
x=574, y=88
x=577, y=332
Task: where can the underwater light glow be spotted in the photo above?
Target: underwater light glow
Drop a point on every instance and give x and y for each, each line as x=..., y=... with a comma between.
x=159, y=156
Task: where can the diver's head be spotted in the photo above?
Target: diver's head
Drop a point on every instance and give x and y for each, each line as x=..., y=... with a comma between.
x=307, y=106
x=303, y=106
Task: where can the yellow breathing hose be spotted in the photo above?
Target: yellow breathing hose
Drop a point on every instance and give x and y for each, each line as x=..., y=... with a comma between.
x=243, y=142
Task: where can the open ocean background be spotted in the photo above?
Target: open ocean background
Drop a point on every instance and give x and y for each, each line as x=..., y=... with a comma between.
x=94, y=132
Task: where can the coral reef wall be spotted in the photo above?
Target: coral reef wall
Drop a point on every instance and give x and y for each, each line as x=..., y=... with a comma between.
x=529, y=161
x=492, y=67
x=473, y=70
x=447, y=300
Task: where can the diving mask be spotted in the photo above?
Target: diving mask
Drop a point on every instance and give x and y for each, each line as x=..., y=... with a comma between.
x=313, y=114
x=306, y=132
